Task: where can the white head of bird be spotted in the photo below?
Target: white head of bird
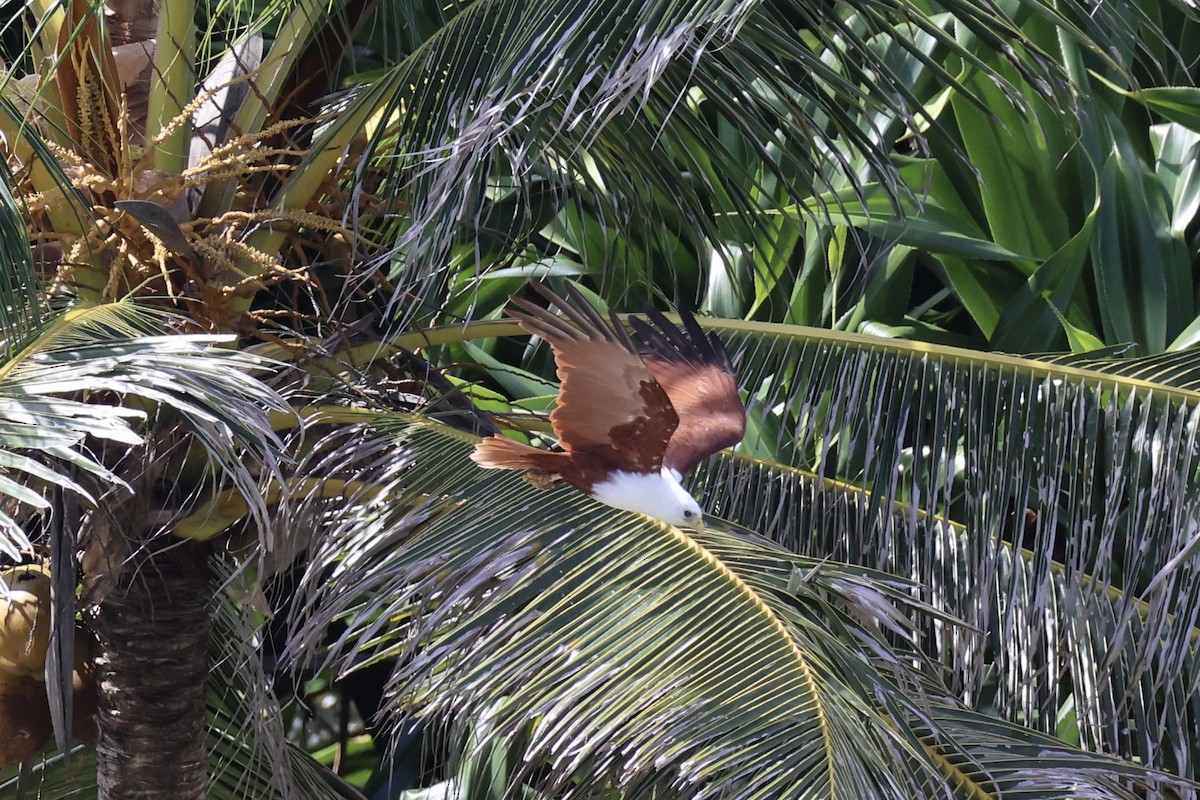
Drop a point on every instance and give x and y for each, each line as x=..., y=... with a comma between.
x=656, y=494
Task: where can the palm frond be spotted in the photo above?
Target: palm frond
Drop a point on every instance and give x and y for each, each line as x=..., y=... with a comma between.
x=20, y=308
x=1179, y=369
x=1075, y=488
x=1049, y=501
x=254, y=758
x=507, y=99
x=651, y=659
x=71, y=384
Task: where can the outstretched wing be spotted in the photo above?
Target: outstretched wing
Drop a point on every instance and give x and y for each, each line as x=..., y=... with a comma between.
x=610, y=404
x=698, y=377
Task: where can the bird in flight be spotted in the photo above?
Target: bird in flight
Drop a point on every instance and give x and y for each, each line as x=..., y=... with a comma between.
x=631, y=418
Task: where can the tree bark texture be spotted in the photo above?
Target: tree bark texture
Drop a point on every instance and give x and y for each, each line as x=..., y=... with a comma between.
x=153, y=627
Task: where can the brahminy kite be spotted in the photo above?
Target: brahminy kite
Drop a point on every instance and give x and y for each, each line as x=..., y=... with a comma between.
x=631, y=418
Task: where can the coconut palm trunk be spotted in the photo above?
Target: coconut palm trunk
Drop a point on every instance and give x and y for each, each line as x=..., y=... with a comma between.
x=153, y=628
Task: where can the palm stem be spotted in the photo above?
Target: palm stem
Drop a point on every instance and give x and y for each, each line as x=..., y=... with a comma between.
x=153, y=664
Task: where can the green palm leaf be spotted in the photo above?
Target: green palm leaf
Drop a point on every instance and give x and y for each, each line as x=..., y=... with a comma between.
x=921, y=461
x=20, y=310
x=93, y=375
x=518, y=107
x=644, y=657
x=866, y=447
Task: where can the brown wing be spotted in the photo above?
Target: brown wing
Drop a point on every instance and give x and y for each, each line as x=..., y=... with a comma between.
x=610, y=404
x=698, y=377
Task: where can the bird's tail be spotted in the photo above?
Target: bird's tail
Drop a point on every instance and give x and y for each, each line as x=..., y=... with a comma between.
x=500, y=452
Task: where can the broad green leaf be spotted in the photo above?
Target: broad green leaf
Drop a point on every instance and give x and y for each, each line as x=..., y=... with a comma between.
x=1175, y=153
x=922, y=224
x=982, y=287
x=1041, y=305
x=518, y=382
x=1017, y=170
x=1142, y=271
x=1180, y=104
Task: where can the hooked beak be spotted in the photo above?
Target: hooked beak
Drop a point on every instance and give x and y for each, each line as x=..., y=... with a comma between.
x=699, y=524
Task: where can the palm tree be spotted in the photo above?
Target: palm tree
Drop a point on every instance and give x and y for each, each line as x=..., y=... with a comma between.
x=193, y=393
x=318, y=201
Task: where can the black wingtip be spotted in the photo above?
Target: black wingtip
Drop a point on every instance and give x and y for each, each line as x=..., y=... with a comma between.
x=668, y=341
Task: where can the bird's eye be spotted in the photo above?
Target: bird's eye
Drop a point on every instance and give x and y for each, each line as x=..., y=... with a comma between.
x=688, y=514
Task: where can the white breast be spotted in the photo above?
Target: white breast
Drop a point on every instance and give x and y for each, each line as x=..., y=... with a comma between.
x=657, y=494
